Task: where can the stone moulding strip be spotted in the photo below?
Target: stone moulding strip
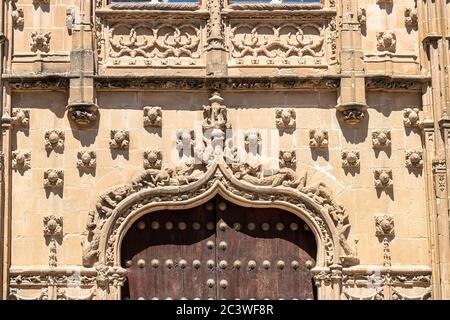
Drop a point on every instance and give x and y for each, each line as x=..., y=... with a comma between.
x=276, y=6
x=49, y=82
x=153, y=6
x=386, y=83
x=168, y=14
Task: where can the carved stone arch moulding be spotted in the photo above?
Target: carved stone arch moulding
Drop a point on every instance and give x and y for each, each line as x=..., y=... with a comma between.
x=119, y=207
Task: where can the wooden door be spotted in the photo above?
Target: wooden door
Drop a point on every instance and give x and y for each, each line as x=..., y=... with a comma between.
x=219, y=251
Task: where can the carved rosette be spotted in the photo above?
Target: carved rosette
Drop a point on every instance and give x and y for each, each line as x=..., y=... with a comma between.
x=285, y=118
x=383, y=178
x=40, y=41
x=152, y=159
x=53, y=226
x=318, y=138
x=152, y=117
x=86, y=159
x=350, y=159
x=119, y=139
x=287, y=159
x=21, y=160
x=84, y=115
x=381, y=138
x=54, y=140
x=386, y=41
x=411, y=118
x=414, y=158
x=53, y=178
x=20, y=117
x=384, y=225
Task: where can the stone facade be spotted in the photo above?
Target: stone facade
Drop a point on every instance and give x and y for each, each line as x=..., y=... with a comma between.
x=111, y=108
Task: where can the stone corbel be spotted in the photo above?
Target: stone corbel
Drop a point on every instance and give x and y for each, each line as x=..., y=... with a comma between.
x=352, y=113
x=83, y=114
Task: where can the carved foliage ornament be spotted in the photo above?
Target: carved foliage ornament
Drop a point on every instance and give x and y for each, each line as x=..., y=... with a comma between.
x=53, y=225
x=17, y=18
x=152, y=117
x=285, y=118
x=381, y=138
x=287, y=159
x=40, y=41
x=21, y=160
x=119, y=139
x=86, y=158
x=350, y=158
x=411, y=118
x=54, y=140
x=383, y=178
x=20, y=117
x=152, y=159
x=318, y=138
x=414, y=158
x=53, y=178
x=282, y=42
x=384, y=226
x=386, y=41
x=410, y=18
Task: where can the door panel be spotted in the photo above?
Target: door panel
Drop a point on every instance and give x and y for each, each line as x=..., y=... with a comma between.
x=221, y=251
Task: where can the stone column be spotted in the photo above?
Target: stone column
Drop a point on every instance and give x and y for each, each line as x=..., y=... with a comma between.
x=352, y=97
x=216, y=53
x=433, y=23
x=2, y=48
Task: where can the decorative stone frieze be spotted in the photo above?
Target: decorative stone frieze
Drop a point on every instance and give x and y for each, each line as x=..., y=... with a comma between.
x=119, y=139
x=350, y=159
x=383, y=178
x=152, y=159
x=414, y=158
x=318, y=138
x=21, y=160
x=152, y=117
x=285, y=118
x=54, y=140
x=86, y=158
x=381, y=138
x=53, y=178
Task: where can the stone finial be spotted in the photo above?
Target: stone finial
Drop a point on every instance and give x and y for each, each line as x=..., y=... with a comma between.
x=285, y=118
x=152, y=117
x=54, y=140
x=350, y=158
x=86, y=158
x=318, y=138
x=119, y=139
x=152, y=159
x=383, y=178
x=53, y=178
x=287, y=159
x=386, y=41
x=40, y=41
x=21, y=159
x=384, y=226
x=53, y=225
x=414, y=158
x=381, y=138
x=411, y=118
x=20, y=117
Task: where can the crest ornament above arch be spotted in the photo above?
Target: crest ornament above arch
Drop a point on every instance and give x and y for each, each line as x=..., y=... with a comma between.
x=219, y=171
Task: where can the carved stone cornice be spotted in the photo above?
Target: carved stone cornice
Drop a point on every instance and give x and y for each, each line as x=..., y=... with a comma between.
x=395, y=84
x=37, y=82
